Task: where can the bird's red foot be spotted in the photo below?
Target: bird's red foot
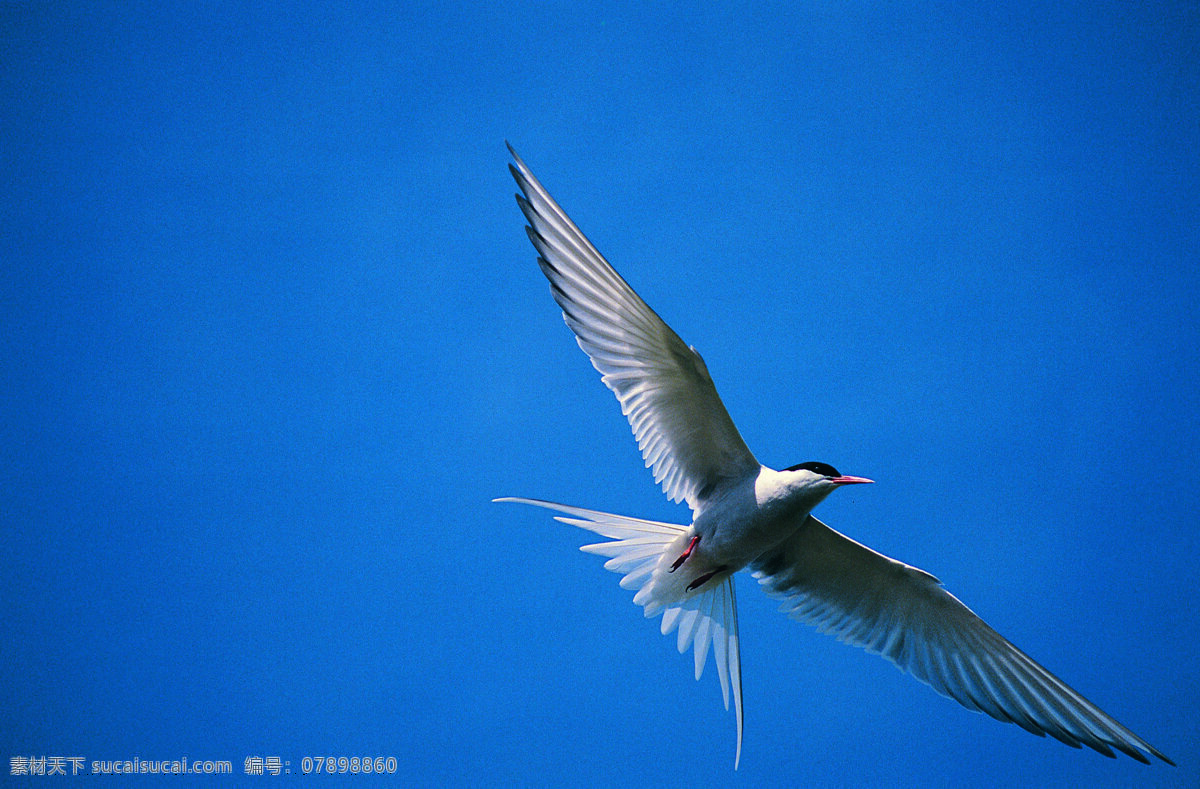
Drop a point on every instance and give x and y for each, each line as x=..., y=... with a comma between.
x=683, y=556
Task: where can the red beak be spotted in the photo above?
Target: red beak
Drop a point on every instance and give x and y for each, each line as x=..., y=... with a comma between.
x=850, y=480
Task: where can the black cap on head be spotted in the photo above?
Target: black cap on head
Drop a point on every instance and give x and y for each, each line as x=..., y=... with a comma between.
x=824, y=469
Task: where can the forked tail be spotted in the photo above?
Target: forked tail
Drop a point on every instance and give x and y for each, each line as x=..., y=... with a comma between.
x=705, y=616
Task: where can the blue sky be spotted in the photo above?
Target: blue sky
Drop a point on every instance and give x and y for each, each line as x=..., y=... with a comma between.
x=273, y=337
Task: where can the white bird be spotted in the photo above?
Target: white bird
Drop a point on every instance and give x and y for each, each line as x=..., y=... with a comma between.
x=746, y=515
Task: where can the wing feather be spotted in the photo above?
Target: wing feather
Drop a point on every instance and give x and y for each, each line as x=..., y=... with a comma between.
x=903, y=613
x=683, y=430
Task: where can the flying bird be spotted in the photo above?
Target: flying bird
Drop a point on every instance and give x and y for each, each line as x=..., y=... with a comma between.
x=748, y=516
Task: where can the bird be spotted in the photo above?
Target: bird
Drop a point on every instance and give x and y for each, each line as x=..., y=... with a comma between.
x=747, y=516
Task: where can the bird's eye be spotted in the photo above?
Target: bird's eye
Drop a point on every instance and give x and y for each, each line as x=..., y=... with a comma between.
x=824, y=469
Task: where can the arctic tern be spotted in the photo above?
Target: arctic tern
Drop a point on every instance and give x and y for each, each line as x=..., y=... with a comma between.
x=748, y=516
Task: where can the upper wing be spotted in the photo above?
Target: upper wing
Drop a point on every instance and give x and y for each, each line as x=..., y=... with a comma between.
x=904, y=614
x=681, y=426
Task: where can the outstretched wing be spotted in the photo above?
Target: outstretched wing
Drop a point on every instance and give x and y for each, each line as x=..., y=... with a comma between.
x=685, y=434
x=891, y=609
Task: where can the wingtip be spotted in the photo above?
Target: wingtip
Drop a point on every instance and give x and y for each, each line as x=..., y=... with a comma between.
x=516, y=157
x=1156, y=754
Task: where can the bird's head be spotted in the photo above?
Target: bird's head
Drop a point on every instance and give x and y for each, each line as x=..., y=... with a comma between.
x=824, y=478
x=799, y=488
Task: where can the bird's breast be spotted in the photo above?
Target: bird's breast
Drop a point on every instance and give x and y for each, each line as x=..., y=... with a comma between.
x=738, y=543
x=743, y=525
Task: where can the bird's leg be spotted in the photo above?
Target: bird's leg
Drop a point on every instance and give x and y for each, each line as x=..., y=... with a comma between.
x=700, y=581
x=683, y=556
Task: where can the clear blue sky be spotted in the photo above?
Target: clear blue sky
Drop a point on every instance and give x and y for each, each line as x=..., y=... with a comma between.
x=273, y=337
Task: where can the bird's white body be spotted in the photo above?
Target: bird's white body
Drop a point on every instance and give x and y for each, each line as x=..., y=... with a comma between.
x=740, y=522
x=736, y=524
x=745, y=515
